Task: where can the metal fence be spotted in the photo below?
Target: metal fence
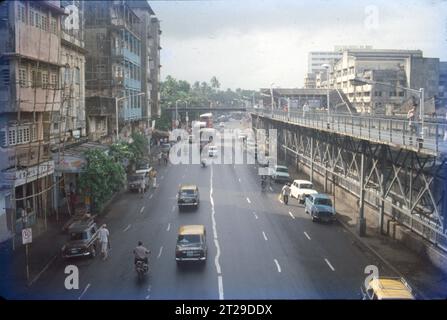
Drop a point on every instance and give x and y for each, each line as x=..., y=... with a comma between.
x=385, y=130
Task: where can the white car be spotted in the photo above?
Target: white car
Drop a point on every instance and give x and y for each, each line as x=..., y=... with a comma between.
x=301, y=189
x=212, y=151
x=221, y=125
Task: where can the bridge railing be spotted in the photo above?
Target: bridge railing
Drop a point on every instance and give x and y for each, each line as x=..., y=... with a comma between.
x=381, y=129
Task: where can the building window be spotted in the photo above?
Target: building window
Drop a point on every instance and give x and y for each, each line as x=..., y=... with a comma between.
x=21, y=13
x=53, y=25
x=12, y=136
x=36, y=78
x=44, y=80
x=44, y=23
x=377, y=93
x=53, y=79
x=77, y=76
x=22, y=77
x=3, y=138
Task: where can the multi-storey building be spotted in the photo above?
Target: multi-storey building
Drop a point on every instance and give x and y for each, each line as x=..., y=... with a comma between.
x=317, y=59
x=30, y=95
x=71, y=119
x=441, y=101
x=155, y=66
x=113, y=68
x=405, y=68
x=145, y=13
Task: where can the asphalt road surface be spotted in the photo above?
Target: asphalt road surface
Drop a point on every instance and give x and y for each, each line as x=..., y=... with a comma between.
x=258, y=248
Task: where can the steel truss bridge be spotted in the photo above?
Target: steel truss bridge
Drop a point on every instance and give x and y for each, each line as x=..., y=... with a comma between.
x=379, y=161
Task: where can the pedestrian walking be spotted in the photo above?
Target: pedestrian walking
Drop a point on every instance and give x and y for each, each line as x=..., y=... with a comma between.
x=411, y=117
x=154, y=178
x=104, y=241
x=142, y=186
x=286, y=193
x=160, y=156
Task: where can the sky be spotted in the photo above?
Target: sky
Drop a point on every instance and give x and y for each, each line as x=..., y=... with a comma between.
x=250, y=44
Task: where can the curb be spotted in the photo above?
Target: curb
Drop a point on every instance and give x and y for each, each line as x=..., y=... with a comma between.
x=388, y=264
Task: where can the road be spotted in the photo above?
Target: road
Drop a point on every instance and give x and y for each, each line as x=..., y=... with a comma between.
x=258, y=248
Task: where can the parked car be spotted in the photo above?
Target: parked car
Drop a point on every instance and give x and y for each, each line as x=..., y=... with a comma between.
x=83, y=240
x=134, y=181
x=188, y=195
x=319, y=206
x=280, y=174
x=383, y=288
x=212, y=151
x=300, y=189
x=191, y=244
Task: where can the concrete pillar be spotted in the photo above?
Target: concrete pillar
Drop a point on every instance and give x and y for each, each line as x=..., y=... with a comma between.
x=311, y=175
x=361, y=223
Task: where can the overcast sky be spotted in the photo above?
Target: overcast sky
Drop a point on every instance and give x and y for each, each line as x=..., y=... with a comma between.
x=250, y=44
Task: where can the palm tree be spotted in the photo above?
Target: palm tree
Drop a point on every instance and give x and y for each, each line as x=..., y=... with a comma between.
x=215, y=83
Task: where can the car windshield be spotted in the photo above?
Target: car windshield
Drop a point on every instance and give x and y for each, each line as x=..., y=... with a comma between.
x=187, y=193
x=306, y=186
x=280, y=169
x=323, y=202
x=78, y=236
x=188, y=239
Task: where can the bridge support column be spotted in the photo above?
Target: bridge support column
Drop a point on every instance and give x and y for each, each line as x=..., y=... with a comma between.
x=361, y=222
x=383, y=184
x=311, y=174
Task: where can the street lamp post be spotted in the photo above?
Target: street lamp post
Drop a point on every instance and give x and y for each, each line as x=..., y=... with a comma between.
x=116, y=110
x=327, y=66
x=271, y=93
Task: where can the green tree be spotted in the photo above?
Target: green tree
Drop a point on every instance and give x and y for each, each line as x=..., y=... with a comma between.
x=215, y=84
x=102, y=177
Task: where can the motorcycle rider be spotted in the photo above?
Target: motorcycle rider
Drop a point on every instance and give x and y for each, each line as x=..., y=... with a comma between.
x=141, y=253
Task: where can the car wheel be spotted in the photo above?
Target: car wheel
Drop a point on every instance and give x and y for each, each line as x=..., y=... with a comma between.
x=313, y=218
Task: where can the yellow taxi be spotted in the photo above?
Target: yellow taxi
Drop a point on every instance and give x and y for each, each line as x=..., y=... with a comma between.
x=191, y=244
x=387, y=289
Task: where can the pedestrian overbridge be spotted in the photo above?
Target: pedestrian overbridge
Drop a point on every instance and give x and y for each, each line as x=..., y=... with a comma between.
x=398, y=171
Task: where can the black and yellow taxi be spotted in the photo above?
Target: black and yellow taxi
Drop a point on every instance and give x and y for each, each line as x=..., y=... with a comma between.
x=188, y=196
x=191, y=244
x=387, y=289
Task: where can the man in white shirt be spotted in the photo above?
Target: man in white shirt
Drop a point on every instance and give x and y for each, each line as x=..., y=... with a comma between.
x=104, y=240
x=286, y=193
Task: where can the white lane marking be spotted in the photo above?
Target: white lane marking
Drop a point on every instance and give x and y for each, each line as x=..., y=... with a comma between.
x=329, y=264
x=216, y=259
x=216, y=241
x=277, y=265
x=150, y=197
x=280, y=200
x=169, y=227
x=271, y=189
x=220, y=283
x=43, y=270
x=305, y=233
x=173, y=208
x=83, y=292
x=127, y=228
x=256, y=217
x=248, y=200
x=142, y=209
x=239, y=179
x=159, y=253
x=293, y=217
x=265, y=237
x=148, y=296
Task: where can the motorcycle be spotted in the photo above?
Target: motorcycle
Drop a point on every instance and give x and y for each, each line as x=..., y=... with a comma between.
x=142, y=268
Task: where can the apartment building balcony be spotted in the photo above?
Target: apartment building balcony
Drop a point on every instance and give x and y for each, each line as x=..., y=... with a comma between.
x=25, y=155
x=38, y=99
x=132, y=84
x=129, y=114
x=124, y=53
